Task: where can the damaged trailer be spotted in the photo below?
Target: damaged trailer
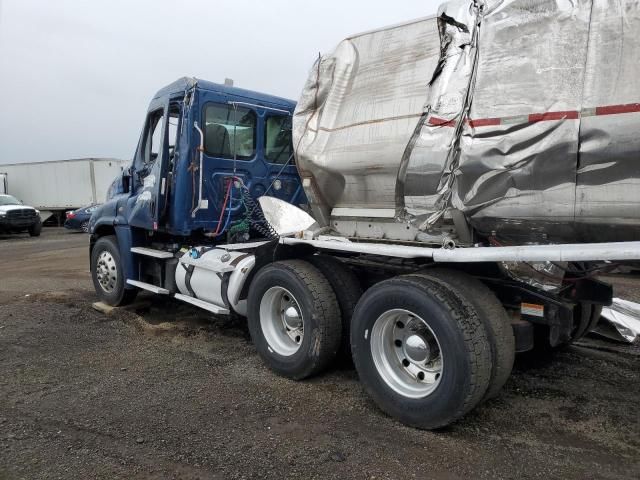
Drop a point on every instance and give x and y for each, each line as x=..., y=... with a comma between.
x=518, y=117
x=468, y=175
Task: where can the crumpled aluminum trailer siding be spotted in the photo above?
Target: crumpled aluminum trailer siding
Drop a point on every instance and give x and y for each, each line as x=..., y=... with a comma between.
x=520, y=114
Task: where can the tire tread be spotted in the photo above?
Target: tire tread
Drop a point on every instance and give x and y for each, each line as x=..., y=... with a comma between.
x=347, y=289
x=126, y=295
x=475, y=339
x=327, y=314
x=495, y=318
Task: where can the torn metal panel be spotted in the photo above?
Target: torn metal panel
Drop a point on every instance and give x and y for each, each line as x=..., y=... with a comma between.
x=531, y=61
x=625, y=318
x=546, y=276
x=357, y=113
x=431, y=166
x=284, y=218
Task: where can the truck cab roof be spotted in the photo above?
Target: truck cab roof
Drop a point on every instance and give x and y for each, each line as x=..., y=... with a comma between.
x=186, y=83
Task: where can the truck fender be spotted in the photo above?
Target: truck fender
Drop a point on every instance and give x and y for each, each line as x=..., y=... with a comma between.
x=125, y=242
x=237, y=280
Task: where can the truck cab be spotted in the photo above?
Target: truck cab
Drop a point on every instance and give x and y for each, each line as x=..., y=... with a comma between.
x=206, y=151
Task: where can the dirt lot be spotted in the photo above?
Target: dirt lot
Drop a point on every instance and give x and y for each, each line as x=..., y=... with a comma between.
x=170, y=392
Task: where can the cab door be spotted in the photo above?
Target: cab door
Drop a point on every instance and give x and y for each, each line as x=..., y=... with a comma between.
x=154, y=157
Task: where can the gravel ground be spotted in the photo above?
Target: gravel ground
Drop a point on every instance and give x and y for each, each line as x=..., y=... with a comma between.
x=165, y=391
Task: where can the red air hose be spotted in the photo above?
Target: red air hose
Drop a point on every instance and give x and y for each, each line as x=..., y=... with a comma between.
x=224, y=206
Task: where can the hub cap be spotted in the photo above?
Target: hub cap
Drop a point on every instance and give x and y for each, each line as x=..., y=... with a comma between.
x=406, y=353
x=106, y=271
x=281, y=321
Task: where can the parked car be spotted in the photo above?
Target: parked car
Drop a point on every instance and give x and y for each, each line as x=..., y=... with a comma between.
x=16, y=217
x=79, y=219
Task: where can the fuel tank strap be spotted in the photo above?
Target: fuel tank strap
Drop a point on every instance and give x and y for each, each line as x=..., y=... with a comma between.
x=189, y=269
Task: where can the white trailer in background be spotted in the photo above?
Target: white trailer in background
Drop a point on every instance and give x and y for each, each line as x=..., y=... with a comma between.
x=56, y=186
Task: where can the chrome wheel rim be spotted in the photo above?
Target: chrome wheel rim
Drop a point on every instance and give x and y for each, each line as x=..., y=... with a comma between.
x=406, y=353
x=106, y=271
x=85, y=227
x=281, y=321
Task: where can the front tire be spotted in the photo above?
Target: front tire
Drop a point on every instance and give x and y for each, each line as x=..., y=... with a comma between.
x=107, y=273
x=421, y=352
x=294, y=318
x=35, y=229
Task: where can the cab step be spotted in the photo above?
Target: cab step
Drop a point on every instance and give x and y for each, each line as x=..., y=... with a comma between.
x=148, y=287
x=202, y=304
x=151, y=252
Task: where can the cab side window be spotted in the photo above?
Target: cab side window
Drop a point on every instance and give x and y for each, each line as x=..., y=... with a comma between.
x=173, y=129
x=154, y=142
x=278, y=145
x=230, y=131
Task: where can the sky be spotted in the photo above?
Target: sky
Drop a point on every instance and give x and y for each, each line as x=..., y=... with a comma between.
x=76, y=76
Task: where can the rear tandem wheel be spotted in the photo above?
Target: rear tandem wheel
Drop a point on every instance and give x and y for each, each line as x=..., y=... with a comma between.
x=495, y=319
x=294, y=318
x=348, y=291
x=420, y=350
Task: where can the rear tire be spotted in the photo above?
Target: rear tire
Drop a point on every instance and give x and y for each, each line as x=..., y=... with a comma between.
x=84, y=226
x=348, y=291
x=429, y=369
x=494, y=317
x=294, y=318
x=107, y=273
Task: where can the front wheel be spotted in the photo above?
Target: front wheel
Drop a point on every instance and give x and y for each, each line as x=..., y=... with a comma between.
x=421, y=352
x=35, y=229
x=294, y=318
x=107, y=273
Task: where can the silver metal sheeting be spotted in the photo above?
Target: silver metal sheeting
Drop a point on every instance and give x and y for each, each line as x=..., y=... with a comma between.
x=625, y=318
x=286, y=219
x=522, y=114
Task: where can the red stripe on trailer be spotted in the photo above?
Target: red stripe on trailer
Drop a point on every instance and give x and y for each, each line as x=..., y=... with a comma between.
x=484, y=122
x=441, y=122
x=615, y=109
x=540, y=117
x=566, y=115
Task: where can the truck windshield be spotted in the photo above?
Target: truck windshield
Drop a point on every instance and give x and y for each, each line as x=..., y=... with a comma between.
x=9, y=200
x=278, y=145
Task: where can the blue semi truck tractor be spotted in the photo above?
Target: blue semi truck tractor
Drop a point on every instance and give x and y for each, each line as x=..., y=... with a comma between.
x=206, y=152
